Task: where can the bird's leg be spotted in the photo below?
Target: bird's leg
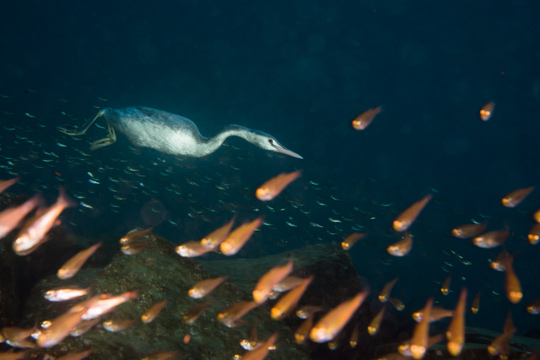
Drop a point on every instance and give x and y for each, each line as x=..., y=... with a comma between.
x=83, y=129
x=108, y=140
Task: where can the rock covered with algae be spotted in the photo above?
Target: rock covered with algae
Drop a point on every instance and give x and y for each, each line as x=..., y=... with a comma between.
x=157, y=274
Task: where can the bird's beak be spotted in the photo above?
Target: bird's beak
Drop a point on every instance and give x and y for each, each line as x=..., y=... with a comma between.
x=289, y=152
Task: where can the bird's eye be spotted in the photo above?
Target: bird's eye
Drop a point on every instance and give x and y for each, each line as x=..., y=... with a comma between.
x=271, y=141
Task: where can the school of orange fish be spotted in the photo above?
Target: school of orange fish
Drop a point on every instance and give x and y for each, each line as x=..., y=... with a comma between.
x=228, y=241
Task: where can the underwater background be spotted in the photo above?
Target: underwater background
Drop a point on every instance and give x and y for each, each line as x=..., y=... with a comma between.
x=301, y=71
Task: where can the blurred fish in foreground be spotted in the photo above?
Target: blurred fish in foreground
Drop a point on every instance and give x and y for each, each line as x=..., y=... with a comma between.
x=491, y=239
x=267, y=282
x=515, y=197
x=419, y=340
x=73, y=265
x=468, y=230
x=385, y=292
x=331, y=324
x=288, y=302
x=363, y=120
x=135, y=235
x=401, y=247
x=239, y=236
x=11, y=217
x=62, y=325
x=261, y=352
x=512, y=284
x=205, y=287
x=64, y=294
x=273, y=187
x=150, y=314
x=456, y=330
x=487, y=111
x=350, y=240
x=34, y=232
x=409, y=215
x=4, y=184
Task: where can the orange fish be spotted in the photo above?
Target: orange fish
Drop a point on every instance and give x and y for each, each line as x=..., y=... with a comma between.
x=397, y=304
x=135, y=247
x=153, y=311
x=290, y=282
x=331, y=324
x=501, y=344
x=63, y=294
x=33, y=234
x=307, y=310
x=271, y=188
x=253, y=341
x=351, y=240
x=456, y=331
x=106, y=303
x=499, y=263
x=385, y=292
x=302, y=332
x=16, y=336
x=364, y=119
x=437, y=313
x=476, y=304
x=401, y=247
x=116, y=325
x=517, y=196
x=192, y=249
x=491, y=239
x=534, y=234
x=355, y=335
x=511, y=283
x=487, y=111
x=509, y=323
x=4, y=184
x=73, y=265
x=337, y=341
x=11, y=217
x=195, y=312
x=468, y=230
x=375, y=324
x=288, y=302
x=534, y=307
x=405, y=348
x=261, y=352
x=205, y=287
x=269, y=280
x=445, y=287
x=135, y=235
x=217, y=236
x=536, y=216
x=83, y=327
x=230, y=315
x=407, y=217
x=239, y=236
x=62, y=325
x=419, y=340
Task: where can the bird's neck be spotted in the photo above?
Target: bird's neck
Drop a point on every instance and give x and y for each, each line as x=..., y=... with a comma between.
x=213, y=143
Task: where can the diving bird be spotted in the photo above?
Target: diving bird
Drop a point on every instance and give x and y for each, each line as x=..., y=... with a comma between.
x=170, y=133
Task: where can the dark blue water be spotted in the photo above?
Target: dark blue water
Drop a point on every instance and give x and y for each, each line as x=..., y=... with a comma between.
x=300, y=71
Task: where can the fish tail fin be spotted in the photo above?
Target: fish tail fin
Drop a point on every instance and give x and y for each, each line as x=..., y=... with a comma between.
x=64, y=199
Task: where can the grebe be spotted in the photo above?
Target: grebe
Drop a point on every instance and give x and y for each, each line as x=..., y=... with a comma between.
x=170, y=133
